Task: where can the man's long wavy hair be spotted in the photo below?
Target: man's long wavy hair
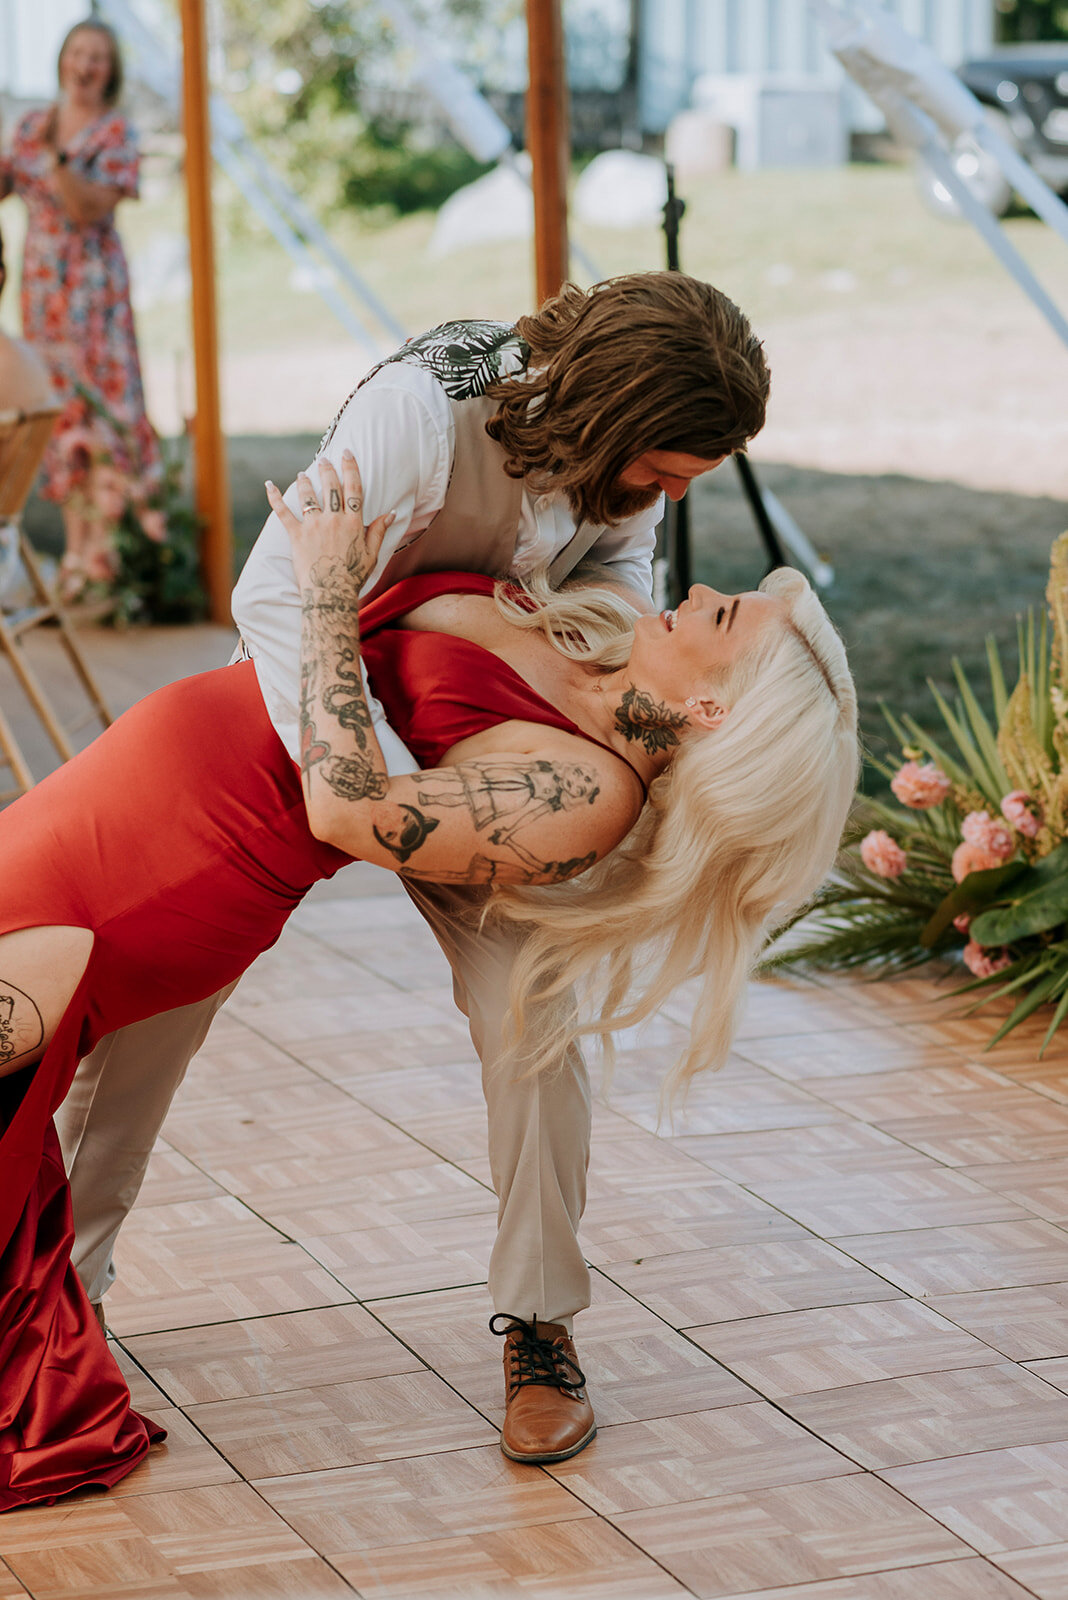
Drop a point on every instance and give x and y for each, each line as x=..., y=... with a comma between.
x=651, y=361
x=738, y=832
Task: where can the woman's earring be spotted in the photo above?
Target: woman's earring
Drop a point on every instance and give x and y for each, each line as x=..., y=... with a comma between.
x=691, y=700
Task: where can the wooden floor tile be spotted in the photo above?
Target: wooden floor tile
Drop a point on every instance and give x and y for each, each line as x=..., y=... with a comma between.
x=1040, y=1186
x=230, y=1360
x=918, y=1194
x=774, y=1007
x=1011, y=1125
x=719, y=1285
x=940, y=1261
x=757, y=1102
x=797, y=1534
x=315, y=1121
x=798, y=1352
x=945, y=1580
x=340, y=1425
x=235, y=1061
x=10, y=1587
x=623, y=1222
x=171, y=1178
x=846, y=1052
x=840, y=1147
x=185, y=1460
x=695, y=1457
x=392, y=1503
x=899, y=1420
x=144, y=1394
x=310, y=1199
x=1025, y=1324
x=636, y=1367
x=996, y=1499
x=210, y=1261
x=587, y=1560
x=410, y=1257
x=375, y=1050
x=1044, y=1571
x=907, y=1090
x=220, y=1543
x=297, y=1023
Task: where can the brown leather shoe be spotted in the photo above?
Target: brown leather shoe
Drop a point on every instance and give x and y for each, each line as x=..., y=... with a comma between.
x=548, y=1416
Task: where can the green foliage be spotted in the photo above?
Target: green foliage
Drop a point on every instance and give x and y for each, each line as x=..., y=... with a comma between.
x=390, y=166
x=303, y=76
x=1038, y=901
x=160, y=582
x=1019, y=21
x=1014, y=915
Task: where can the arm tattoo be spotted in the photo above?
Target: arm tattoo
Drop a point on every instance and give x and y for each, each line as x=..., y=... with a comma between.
x=638, y=717
x=331, y=682
x=501, y=798
x=401, y=829
x=21, y=1024
x=485, y=870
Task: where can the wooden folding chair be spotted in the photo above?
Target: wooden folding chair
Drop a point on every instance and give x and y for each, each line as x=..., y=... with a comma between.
x=23, y=437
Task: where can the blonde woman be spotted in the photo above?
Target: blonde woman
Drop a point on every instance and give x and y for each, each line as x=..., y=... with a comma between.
x=542, y=728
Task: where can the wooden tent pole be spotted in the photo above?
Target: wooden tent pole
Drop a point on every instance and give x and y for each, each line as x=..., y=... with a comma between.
x=209, y=446
x=548, y=142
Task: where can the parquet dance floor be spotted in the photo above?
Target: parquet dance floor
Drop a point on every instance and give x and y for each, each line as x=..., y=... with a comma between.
x=828, y=1347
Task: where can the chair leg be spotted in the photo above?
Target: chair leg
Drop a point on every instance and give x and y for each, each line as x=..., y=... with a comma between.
x=49, y=597
x=14, y=758
x=12, y=648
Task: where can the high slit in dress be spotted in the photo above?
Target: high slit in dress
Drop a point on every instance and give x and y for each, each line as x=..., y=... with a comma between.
x=180, y=838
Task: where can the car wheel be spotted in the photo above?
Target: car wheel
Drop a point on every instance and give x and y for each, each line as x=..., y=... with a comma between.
x=979, y=170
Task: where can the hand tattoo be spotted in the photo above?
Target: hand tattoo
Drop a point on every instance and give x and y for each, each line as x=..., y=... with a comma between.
x=335, y=499
x=639, y=718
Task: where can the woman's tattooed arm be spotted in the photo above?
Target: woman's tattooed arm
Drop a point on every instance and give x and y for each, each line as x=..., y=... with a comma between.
x=337, y=739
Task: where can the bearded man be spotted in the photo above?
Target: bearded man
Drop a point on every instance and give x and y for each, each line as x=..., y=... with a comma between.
x=500, y=449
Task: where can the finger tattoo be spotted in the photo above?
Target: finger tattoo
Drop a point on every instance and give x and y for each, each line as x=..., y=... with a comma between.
x=335, y=499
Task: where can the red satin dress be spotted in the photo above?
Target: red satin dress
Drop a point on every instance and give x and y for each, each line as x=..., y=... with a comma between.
x=180, y=838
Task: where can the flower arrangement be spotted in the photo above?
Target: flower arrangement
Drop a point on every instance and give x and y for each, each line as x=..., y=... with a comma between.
x=972, y=861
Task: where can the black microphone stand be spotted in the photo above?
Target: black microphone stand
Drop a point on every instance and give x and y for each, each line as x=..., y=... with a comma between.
x=677, y=541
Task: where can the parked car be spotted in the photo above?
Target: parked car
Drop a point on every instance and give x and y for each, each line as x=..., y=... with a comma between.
x=1024, y=90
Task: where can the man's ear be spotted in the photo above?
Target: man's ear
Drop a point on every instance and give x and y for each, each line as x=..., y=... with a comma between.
x=705, y=713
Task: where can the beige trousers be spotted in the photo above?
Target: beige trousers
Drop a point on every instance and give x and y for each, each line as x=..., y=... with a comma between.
x=539, y=1127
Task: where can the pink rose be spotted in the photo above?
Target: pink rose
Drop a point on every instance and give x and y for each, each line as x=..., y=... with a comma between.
x=983, y=963
x=920, y=787
x=972, y=858
x=988, y=833
x=153, y=525
x=963, y=922
x=1022, y=812
x=882, y=855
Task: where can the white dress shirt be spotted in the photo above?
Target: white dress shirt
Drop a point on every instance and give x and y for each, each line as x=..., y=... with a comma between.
x=399, y=427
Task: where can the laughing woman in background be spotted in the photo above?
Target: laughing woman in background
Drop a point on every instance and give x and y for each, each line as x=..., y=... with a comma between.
x=72, y=163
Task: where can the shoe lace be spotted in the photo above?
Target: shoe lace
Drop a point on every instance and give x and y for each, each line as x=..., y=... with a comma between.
x=535, y=1359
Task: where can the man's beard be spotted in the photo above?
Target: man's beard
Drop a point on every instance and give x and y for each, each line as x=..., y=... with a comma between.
x=621, y=502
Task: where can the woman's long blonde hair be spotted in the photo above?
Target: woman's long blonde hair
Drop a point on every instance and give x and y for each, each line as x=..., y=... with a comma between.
x=738, y=832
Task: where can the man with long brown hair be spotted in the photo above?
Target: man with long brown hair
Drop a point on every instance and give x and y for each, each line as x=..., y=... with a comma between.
x=502, y=450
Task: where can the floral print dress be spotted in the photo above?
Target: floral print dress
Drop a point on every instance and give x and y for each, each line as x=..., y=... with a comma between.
x=76, y=308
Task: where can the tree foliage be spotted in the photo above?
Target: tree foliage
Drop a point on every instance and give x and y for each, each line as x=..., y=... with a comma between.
x=320, y=86
x=1021, y=21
